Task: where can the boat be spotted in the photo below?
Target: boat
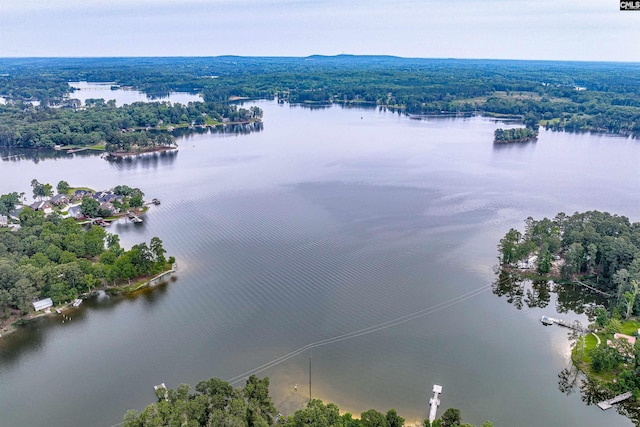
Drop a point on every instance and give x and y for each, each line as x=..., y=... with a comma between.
x=546, y=320
x=156, y=201
x=76, y=302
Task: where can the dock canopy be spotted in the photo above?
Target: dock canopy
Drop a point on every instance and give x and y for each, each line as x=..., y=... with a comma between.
x=42, y=304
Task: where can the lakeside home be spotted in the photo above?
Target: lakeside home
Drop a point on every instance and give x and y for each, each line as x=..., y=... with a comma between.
x=43, y=304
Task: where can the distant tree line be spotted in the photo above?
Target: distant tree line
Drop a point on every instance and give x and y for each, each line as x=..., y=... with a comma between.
x=216, y=403
x=557, y=95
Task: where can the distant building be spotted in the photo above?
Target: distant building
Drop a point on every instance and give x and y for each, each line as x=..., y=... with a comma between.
x=15, y=213
x=44, y=206
x=107, y=207
x=529, y=263
x=60, y=199
x=4, y=220
x=79, y=194
x=75, y=211
x=43, y=304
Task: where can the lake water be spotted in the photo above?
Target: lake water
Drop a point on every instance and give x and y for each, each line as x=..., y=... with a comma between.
x=324, y=223
x=92, y=90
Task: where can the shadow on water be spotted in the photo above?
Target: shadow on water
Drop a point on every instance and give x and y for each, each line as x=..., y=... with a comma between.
x=503, y=146
x=536, y=293
x=32, y=336
x=222, y=129
x=571, y=380
x=38, y=155
x=27, y=338
x=146, y=160
x=521, y=292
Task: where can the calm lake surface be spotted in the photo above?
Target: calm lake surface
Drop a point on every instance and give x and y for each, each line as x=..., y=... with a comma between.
x=326, y=222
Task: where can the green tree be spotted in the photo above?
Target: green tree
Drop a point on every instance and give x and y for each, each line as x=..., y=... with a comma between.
x=90, y=207
x=22, y=293
x=629, y=298
x=157, y=250
x=393, y=419
x=8, y=202
x=259, y=402
x=94, y=241
x=603, y=359
x=602, y=317
x=316, y=414
x=508, y=246
x=63, y=187
x=373, y=418
x=451, y=417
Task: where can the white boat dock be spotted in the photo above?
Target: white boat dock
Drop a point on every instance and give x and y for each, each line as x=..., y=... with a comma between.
x=619, y=398
x=546, y=320
x=434, y=402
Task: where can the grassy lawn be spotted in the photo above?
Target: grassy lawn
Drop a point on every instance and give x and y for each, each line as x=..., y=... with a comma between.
x=630, y=326
x=590, y=342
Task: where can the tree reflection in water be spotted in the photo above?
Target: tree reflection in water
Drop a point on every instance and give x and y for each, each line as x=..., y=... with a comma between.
x=536, y=293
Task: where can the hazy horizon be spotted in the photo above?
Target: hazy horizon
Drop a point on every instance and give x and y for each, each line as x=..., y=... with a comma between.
x=591, y=30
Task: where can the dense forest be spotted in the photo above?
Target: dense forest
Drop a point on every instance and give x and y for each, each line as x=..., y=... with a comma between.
x=48, y=256
x=596, y=247
x=596, y=250
x=558, y=95
x=216, y=403
x=120, y=128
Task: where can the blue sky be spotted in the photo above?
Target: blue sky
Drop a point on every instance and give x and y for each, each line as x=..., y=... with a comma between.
x=594, y=30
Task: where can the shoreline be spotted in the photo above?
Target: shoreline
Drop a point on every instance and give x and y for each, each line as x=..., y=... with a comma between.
x=123, y=154
x=22, y=321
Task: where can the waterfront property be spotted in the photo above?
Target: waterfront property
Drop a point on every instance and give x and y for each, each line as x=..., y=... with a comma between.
x=43, y=304
x=609, y=403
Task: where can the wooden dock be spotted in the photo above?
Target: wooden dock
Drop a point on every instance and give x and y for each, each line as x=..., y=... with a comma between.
x=434, y=402
x=546, y=320
x=619, y=398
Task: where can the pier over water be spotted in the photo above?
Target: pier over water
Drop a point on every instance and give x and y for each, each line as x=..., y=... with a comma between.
x=434, y=402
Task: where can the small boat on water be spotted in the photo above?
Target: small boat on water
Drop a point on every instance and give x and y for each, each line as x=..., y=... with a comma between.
x=546, y=320
x=156, y=201
x=76, y=302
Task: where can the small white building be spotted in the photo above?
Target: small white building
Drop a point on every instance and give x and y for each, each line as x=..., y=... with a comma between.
x=529, y=263
x=43, y=304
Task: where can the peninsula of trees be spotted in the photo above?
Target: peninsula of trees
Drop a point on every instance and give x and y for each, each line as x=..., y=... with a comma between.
x=47, y=256
x=601, y=253
x=216, y=403
x=603, y=97
x=140, y=126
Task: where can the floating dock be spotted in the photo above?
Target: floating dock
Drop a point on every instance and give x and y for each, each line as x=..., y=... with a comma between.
x=546, y=320
x=607, y=404
x=434, y=402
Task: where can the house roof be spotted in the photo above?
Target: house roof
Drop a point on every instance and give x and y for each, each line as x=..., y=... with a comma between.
x=632, y=340
x=42, y=304
x=59, y=197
